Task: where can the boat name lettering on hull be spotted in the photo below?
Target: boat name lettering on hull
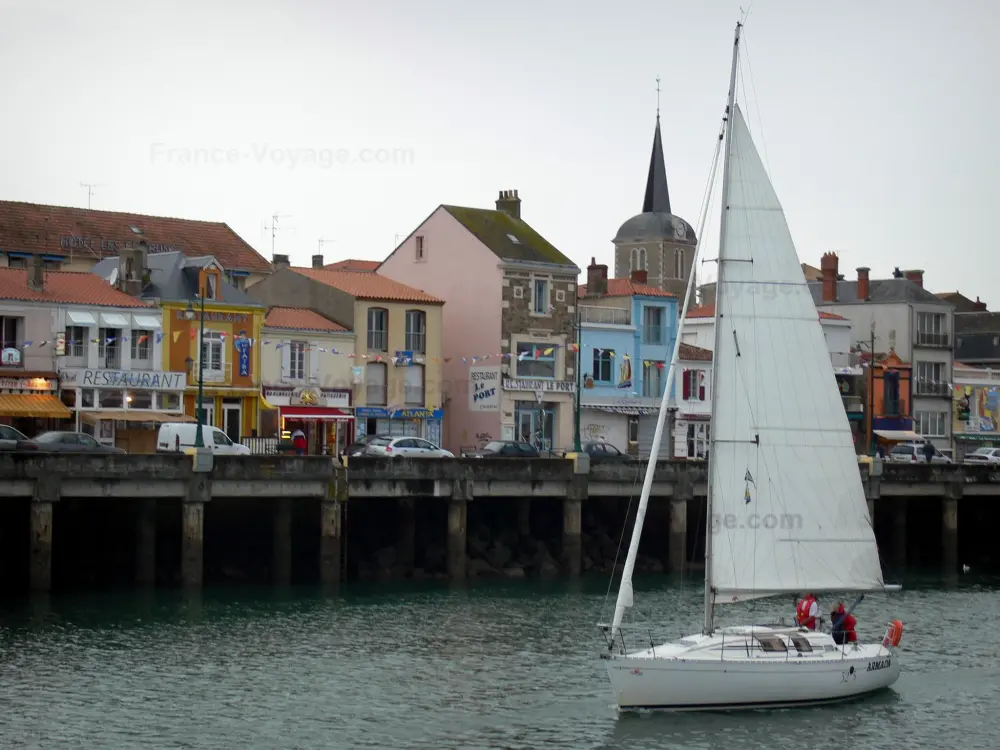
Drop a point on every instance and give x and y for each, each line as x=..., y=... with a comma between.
x=874, y=666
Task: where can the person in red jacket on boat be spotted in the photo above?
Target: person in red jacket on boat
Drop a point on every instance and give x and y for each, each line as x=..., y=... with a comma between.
x=844, y=625
x=807, y=612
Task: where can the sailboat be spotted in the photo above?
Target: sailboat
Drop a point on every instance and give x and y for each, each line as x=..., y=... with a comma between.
x=786, y=511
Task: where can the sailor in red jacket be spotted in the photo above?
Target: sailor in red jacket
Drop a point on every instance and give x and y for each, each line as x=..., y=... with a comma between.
x=844, y=625
x=807, y=612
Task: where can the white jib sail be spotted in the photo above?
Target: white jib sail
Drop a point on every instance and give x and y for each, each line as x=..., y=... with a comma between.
x=788, y=507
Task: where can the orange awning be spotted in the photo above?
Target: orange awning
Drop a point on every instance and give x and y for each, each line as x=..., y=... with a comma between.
x=37, y=405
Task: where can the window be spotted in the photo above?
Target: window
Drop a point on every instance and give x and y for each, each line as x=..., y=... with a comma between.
x=107, y=399
x=211, y=286
x=693, y=385
x=930, y=423
x=419, y=243
x=603, y=365
x=11, y=333
x=413, y=385
x=633, y=429
x=13, y=262
x=141, y=349
x=535, y=360
x=378, y=329
x=139, y=399
x=375, y=384
x=638, y=259
x=169, y=401
x=652, y=379
x=213, y=352
x=540, y=297
x=76, y=341
x=697, y=440
x=295, y=363
x=221, y=438
x=930, y=379
x=109, y=350
x=678, y=263
x=652, y=325
x=236, y=280
x=890, y=395
x=416, y=331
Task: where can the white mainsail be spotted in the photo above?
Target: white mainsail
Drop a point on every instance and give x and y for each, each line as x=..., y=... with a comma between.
x=788, y=508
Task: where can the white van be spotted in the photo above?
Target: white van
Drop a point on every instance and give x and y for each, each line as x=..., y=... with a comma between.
x=179, y=436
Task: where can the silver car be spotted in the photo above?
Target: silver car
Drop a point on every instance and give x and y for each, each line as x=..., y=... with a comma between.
x=984, y=456
x=405, y=447
x=913, y=453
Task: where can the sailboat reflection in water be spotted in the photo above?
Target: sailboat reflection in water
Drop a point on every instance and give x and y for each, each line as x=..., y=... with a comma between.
x=781, y=448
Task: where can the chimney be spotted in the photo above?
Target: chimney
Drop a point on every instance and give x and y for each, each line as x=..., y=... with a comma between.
x=896, y=273
x=916, y=276
x=979, y=306
x=509, y=203
x=36, y=274
x=597, y=279
x=317, y=261
x=280, y=261
x=828, y=265
x=864, y=285
x=639, y=276
x=132, y=275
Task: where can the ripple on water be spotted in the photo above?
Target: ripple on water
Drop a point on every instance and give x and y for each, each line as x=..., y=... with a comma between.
x=508, y=665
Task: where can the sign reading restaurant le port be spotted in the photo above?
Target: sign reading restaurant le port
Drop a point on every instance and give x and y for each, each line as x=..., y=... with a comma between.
x=146, y=380
x=546, y=386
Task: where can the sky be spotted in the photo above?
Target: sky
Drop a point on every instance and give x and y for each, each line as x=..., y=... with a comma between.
x=353, y=120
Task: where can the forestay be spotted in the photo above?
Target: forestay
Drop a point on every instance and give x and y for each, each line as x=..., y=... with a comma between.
x=788, y=508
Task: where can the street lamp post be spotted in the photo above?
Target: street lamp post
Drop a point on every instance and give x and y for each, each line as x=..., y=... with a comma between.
x=579, y=379
x=189, y=314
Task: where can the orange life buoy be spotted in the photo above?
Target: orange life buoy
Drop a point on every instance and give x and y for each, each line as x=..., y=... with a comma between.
x=894, y=635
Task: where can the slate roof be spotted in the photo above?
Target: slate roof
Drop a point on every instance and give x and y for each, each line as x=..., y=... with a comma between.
x=495, y=230
x=691, y=353
x=35, y=228
x=369, y=286
x=65, y=287
x=881, y=291
x=354, y=264
x=626, y=288
x=708, y=311
x=174, y=276
x=300, y=319
x=977, y=322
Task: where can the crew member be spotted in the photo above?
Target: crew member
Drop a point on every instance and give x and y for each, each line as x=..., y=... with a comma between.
x=807, y=612
x=844, y=625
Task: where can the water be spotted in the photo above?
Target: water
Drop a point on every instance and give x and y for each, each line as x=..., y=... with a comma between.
x=508, y=665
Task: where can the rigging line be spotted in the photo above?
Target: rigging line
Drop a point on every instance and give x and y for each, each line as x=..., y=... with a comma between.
x=756, y=102
x=621, y=539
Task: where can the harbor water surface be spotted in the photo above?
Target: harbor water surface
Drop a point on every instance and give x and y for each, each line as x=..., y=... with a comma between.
x=511, y=665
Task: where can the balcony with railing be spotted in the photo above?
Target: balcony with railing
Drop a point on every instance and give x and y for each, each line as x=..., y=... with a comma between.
x=378, y=340
x=932, y=340
x=607, y=316
x=853, y=404
x=375, y=395
x=931, y=388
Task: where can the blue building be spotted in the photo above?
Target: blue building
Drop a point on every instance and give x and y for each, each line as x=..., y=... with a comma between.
x=627, y=334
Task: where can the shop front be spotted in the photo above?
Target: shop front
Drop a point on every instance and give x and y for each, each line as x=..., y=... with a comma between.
x=29, y=403
x=977, y=416
x=124, y=408
x=323, y=414
x=383, y=420
x=539, y=412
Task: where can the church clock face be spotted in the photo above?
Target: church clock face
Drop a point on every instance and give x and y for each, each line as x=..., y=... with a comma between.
x=679, y=230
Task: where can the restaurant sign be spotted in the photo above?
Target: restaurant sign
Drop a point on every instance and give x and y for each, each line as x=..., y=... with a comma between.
x=26, y=384
x=147, y=380
x=545, y=386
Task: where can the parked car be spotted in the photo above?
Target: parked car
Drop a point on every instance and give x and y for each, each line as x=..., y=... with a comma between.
x=984, y=456
x=405, y=447
x=914, y=453
x=605, y=452
x=178, y=436
x=504, y=449
x=14, y=440
x=72, y=442
x=357, y=448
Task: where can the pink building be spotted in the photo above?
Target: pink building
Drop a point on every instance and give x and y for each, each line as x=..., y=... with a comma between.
x=508, y=322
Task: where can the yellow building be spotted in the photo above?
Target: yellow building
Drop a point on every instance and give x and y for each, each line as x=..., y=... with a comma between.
x=231, y=347
x=397, y=368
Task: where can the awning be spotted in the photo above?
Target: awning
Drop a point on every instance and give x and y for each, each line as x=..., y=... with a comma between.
x=147, y=417
x=631, y=411
x=81, y=318
x=899, y=436
x=267, y=405
x=315, y=412
x=146, y=323
x=114, y=320
x=38, y=405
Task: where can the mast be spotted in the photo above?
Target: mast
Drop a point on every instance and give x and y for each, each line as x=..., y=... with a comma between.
x=730, y=107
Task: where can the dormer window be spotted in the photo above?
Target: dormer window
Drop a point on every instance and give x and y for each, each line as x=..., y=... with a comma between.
x=211, y=286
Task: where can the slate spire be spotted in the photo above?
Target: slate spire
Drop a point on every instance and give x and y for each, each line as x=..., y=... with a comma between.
x=657, y=198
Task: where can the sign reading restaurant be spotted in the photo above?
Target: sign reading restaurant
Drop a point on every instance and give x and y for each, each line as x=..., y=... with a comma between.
x=546, y=386
x=147, y=380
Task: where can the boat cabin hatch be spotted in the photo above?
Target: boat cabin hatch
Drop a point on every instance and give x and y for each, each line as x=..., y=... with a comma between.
x=771, y=643
x=802, y=645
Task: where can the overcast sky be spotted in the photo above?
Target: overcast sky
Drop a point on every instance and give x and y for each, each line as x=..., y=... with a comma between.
x=876, y=118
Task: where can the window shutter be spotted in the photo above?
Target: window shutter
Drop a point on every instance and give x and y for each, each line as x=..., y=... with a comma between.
x=701, y=386
x=286, y=359
x=313, y=361
x=687, y=385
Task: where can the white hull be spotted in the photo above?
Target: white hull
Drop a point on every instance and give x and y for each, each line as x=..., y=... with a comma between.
x=729, y=670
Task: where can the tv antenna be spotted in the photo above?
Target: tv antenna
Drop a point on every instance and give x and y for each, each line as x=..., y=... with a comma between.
x=324, y=242
x=90, y=189
x=273, y=228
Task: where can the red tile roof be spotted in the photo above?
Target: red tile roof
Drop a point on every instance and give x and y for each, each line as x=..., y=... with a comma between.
x=299, y=319
x=368, y=285
x=708, y=311
x=66, y=288
x=354, y=264
x=34, y=228
x=690, y=353
x=626, y=288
